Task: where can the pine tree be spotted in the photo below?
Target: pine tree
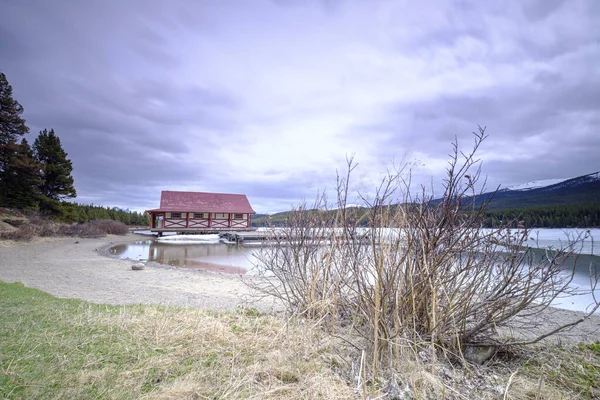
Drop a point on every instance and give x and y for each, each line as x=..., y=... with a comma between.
x=22, y=178
x=82, y=215
x=15, y=158
x=57, y=182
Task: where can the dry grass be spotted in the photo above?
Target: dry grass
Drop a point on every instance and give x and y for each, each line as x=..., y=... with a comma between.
x=56, y=348
x=64, y=348
x=94, y=229
x=109, y=226
x=42, y=227
x=576, y=368
x=235, y=356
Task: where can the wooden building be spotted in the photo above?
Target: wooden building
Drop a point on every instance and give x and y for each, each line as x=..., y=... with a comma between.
x=200, y=212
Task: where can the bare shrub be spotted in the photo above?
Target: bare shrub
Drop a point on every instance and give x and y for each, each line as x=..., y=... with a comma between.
x=24, y=233
x=14, y=222
x=11, y=211
x=110, y=227
x=299, y=258
x=39, y=226
x=81, y=230
x=94, y=229
x=43, y=226
x=35, y=227
x=422, y=271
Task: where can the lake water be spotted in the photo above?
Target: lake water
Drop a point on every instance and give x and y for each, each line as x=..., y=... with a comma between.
x=208, y=254
x=204, y=255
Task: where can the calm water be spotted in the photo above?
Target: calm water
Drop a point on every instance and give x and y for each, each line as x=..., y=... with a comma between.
x=212, y=255
x=208, y=256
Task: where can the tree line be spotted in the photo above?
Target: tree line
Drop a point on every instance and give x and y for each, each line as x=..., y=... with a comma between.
x=558, y=216
x=38, y=177
x=87, y=212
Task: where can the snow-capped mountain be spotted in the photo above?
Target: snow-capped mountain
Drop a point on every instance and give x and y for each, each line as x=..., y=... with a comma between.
x=534, y=184
x=582, y=189
x=552, y=182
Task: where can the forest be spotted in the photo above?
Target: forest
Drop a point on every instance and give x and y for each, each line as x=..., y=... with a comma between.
x=560, y=216
x=38, y=177
x=556, y=216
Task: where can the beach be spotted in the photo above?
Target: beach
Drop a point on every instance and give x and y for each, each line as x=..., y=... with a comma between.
x=83, y=269
x=80, y=268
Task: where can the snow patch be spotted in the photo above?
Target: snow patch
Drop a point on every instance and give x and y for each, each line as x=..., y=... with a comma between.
x=595, y=176
x=189, y=238
x=535, y=184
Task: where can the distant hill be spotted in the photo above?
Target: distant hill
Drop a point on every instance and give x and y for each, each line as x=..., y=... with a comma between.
x=281, y=218
x=547, y=203
x=259, y=220
x=583, y=189
x=276, y=219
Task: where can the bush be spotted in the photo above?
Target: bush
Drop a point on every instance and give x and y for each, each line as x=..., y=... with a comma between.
x=11, y=211
x=110, y=227
x=425, y=273
x=94, y=229
x=44, y=227
x=81, y=230
x=35, y=227
x=14, y=222
x=25, y=233
x=41, y=227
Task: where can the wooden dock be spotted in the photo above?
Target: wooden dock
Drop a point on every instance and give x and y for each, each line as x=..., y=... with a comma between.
x=199, y=231
x=251, y=237
x=274, y=237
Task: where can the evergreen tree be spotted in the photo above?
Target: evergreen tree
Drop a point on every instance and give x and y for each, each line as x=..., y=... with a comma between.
x=14, y=157
x=82, y=215
x=21, y=178
x=57, y=182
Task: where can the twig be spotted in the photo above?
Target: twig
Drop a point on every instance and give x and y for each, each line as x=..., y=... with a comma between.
x=508, y=384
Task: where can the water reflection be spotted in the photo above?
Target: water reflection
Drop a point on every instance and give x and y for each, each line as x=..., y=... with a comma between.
x=216, y=257
x=219, y=257
x=583, y=267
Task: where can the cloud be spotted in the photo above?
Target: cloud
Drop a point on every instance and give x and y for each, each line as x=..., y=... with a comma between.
x=270, y=99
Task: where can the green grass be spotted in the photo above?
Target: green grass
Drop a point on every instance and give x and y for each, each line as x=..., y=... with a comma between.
x=62, y=348
x=71, y=349
x=50, y=346
x=575, y=368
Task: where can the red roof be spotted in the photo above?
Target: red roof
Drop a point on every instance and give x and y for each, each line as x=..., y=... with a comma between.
x=204, y=202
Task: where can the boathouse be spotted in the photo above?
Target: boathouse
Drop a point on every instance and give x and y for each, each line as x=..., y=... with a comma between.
x=200, y=212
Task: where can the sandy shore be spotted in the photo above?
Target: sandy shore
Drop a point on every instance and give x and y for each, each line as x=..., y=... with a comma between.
x=77, y=268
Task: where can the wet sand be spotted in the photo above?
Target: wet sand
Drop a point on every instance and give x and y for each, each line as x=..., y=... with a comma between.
x=79, y=268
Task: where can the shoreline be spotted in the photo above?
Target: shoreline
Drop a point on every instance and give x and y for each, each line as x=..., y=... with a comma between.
x=207, y=267
x=84, y=269
x=79, y=268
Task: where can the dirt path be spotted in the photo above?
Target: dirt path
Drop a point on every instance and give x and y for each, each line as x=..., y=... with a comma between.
x=75, y=268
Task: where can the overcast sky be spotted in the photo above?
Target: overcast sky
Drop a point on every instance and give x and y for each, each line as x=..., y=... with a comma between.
x=267, y=98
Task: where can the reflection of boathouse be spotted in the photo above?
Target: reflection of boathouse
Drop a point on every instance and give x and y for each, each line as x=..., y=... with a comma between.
x=213, y=257
x=200, y=212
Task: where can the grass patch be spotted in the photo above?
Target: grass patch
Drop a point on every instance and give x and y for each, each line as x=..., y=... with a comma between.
x=575, y=368
x=65, y=348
